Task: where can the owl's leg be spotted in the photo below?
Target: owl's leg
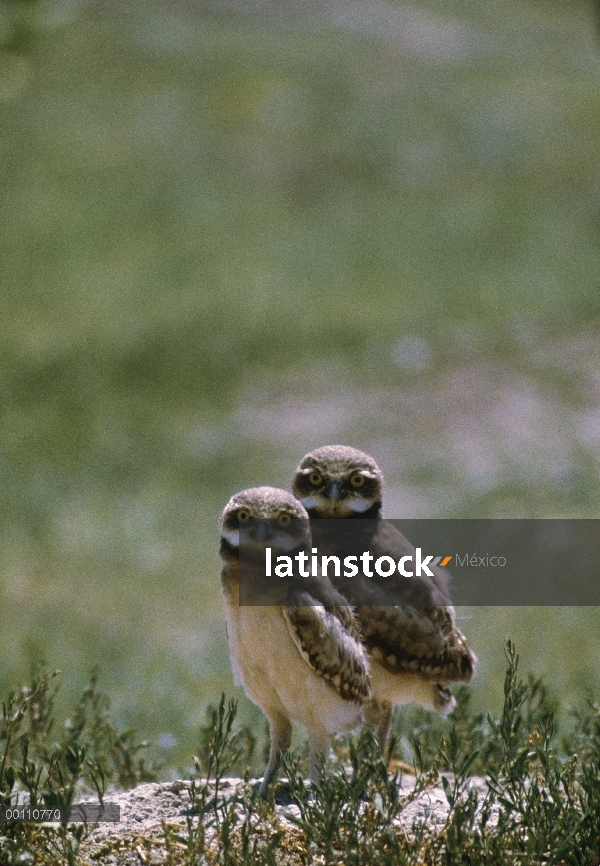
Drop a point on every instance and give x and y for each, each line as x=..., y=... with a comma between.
x=378, y=717
x=318, y=749
x=281, y=738
x=443, y=701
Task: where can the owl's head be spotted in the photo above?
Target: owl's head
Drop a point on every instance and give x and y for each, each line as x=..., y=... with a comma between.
x=264, y=517
x=338, y=481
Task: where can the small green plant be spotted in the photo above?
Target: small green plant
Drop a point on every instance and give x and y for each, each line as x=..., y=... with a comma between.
x=352, y=811
x=221, y=750
x=89, y=753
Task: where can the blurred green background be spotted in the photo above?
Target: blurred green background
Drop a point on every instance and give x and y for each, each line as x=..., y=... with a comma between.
x=234, y=231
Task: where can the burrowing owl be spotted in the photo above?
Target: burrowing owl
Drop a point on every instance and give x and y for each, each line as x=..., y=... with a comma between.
x=409, y=629
x=302, y=660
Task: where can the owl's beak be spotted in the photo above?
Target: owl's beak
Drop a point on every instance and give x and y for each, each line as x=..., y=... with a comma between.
x=334, y=491
x=261, y=531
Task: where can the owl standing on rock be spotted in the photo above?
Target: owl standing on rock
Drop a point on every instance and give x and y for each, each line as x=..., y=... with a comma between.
x=408, y=625
x=300, y=659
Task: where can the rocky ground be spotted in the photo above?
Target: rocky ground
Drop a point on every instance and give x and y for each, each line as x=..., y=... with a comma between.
x=146, y=809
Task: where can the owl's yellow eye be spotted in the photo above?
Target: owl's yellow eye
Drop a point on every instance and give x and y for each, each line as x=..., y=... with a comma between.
x=315, y=479
x=284, y=520
x=357, y=480
x=243, y=515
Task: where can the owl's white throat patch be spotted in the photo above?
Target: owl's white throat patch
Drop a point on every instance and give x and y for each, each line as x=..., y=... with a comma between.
x=359, y=505
x=313, y=501
x=280, y=542
x=232, y=536
x=339, y=507
x=284, y=542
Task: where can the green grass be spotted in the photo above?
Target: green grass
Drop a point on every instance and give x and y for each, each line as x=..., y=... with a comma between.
x=215, y=233
x=541, y=803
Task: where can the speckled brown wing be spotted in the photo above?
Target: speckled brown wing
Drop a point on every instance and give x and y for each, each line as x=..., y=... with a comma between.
x=328, y=641
x=402, y=640
x=405, y=639
x=400, y=627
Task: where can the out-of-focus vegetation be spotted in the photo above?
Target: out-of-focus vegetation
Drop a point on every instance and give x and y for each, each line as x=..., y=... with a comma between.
x=229, y=234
